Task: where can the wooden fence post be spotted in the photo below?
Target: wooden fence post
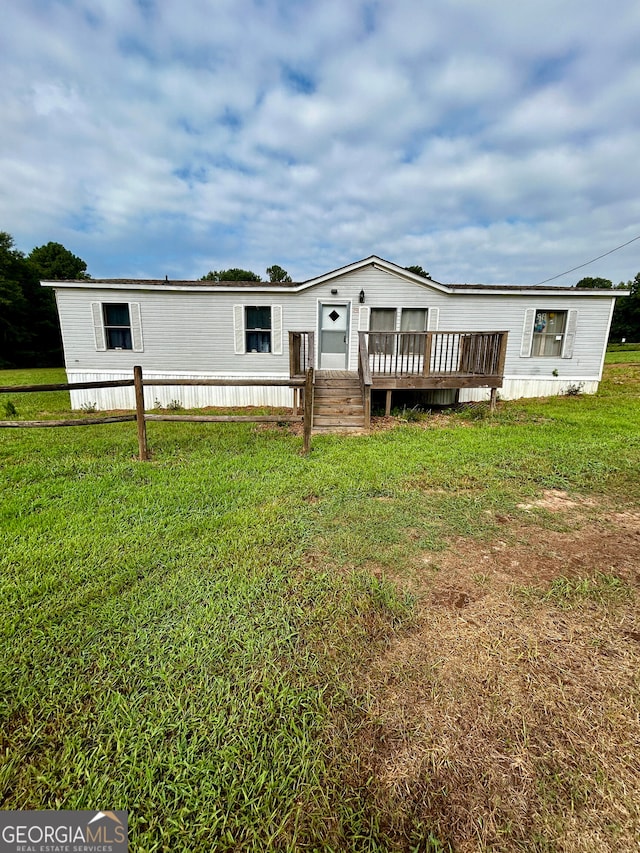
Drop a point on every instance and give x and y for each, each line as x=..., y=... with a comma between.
x=140, y=420
x=308, y=411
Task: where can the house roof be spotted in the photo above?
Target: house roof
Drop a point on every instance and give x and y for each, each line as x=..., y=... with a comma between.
x=372, y=261
x=173, y=284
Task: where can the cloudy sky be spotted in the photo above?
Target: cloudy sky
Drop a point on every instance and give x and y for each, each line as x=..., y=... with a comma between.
x=486, y=140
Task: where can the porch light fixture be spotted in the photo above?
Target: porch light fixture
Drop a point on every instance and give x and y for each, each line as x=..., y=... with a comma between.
x=361, y=299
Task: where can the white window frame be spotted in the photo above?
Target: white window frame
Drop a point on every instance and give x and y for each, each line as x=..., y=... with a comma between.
x=100, y=327
x=240, y=329
x=567, y=337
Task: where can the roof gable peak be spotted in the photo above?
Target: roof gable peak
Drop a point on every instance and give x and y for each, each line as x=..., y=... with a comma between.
x=378, y=263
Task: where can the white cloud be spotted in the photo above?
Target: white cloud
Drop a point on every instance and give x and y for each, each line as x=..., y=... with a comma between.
x=484, y=141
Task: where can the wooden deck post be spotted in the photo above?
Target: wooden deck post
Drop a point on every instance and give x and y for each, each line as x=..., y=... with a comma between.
x=426, y=363
x=387, y=403
x=493, y=399
x=140, y=420
x=308, y=411
x=367, y=407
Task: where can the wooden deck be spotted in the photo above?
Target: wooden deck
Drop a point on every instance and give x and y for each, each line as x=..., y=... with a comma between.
x=391, y=361
x=328, y=375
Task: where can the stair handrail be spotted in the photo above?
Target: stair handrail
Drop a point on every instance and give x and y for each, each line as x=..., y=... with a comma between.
x=364, y=374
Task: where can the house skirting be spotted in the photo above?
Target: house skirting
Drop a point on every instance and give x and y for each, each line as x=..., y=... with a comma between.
x=198, y=396
x=187, y=396
x=516, y=387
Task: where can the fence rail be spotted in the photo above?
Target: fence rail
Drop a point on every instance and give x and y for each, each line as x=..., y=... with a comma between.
x=141, y=417
x=65, y=386
x=112, y=419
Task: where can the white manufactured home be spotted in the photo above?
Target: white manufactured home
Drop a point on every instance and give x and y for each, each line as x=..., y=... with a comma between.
x=369, y=325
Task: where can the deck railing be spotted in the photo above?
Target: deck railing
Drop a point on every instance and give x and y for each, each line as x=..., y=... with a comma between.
x=434, y=353
x=301, y=353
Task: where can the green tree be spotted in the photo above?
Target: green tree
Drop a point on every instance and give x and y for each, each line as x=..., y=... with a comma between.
x=278, y=274
x=233, y=274
x=29, y=329
x=599, y=283
x=55, y=263
x=418, y=270
x=51, y=262
x=16, y=332
x=626, y=314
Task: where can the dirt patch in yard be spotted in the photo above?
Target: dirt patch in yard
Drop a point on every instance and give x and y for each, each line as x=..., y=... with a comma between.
x=612, y=546
x=509, y=717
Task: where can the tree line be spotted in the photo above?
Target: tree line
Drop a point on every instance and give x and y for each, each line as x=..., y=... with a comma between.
x=30, y=332
x=625, y=324
x=275, y=274
x=29, y=328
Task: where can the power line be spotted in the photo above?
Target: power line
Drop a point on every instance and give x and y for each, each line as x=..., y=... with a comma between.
x=586, y=264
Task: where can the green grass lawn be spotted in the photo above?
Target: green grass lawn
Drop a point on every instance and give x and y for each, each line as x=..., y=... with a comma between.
x=181, y=638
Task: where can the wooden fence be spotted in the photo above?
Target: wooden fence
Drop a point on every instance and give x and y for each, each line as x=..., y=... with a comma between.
x=141, y=417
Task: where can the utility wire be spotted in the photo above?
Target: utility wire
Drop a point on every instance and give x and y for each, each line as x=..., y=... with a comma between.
x=586, y=264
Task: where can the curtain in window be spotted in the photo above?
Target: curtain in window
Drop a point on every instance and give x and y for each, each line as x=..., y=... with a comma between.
x=382, y=320
x=413, y=320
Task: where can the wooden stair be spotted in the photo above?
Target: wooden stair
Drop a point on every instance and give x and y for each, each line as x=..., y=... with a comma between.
x=337, y=402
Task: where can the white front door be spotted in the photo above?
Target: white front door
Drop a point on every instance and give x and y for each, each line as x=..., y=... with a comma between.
x=334, y=336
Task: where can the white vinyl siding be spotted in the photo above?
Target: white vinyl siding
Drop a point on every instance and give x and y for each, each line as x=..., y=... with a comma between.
x=201, y=331
x=363, y=318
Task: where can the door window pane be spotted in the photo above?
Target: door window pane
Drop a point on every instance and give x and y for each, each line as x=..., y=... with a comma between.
x=334, y=317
